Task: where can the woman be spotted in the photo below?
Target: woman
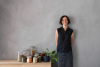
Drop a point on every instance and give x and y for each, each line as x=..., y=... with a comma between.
x=64, y=37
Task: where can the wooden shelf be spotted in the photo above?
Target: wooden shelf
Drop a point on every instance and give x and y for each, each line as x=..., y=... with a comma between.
x=15, y=63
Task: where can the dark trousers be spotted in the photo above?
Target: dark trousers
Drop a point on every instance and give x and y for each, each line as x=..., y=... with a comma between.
x=65, y=59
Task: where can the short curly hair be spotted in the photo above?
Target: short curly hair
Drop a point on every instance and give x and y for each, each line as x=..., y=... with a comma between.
x=60, y=22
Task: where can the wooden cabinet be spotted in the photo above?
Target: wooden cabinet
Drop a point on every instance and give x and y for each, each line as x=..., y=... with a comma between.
x=15, y=63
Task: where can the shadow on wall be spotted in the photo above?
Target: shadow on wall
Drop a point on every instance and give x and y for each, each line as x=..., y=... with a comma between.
x=74, y=47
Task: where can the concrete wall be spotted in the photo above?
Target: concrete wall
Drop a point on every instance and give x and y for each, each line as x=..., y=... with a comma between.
x=25, y=23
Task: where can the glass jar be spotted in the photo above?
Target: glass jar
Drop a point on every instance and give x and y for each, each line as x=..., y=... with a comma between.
x=29, y=59
x=39, y=59
x=36, y=55
x=19, y=58
x=32, y=50
x=24, y=51
x=27, y=52
x=40, y=54
x=24, y=59
x=34, y=59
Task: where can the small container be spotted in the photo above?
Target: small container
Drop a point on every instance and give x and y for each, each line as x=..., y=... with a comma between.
x=36, y=55
x=34, y=59
x=46, y=58
x=40, y=54
x=24, y=59
x=32, y=50
x=19, y=58
x=27, y=52
x=39, y=59
x=29, y=59
x=24, y=52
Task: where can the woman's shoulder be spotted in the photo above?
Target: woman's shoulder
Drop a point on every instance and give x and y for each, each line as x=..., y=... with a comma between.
x=71, y=30
x=59, y=28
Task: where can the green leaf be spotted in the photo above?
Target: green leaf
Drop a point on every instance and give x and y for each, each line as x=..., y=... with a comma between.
x=55, y=55
x=45, y=53
x=53, y=52
x=48, y=54
x=52, y=55
x=52, y=61
x=47, y=49
x=56, y=59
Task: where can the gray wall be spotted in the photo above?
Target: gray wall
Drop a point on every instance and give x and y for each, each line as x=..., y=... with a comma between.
x=25, y=23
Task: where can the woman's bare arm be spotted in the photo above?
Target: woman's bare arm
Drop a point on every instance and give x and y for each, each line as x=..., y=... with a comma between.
x=72, y=39
x=56, y=37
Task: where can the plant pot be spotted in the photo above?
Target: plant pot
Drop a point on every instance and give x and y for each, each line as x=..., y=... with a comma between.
x=46, y=58
x=41, y=56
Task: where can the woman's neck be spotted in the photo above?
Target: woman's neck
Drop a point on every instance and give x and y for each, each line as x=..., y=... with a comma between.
x=65, y=27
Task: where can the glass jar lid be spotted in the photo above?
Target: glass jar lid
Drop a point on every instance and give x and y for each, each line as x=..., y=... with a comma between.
x=32, y=47
x=29, y=57
x=20, y=52
x=36, y=54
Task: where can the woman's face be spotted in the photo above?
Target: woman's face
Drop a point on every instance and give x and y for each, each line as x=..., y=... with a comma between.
x=64, y=21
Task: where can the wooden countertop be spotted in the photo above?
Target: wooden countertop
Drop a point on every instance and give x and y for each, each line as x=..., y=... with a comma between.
x=16, y=62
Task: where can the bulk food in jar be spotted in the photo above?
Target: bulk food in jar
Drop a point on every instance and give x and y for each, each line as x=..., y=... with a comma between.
x=19, y=58
x=29, y=59
x=34, y=59
x=39, y=59
x=24, y=59
x=32, y=50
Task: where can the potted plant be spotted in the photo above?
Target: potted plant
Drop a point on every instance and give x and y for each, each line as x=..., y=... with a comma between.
x=42, y=54
x=46, y=58
x=53, y=56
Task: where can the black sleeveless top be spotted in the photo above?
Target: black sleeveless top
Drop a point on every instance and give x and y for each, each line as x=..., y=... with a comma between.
x=64, y=39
